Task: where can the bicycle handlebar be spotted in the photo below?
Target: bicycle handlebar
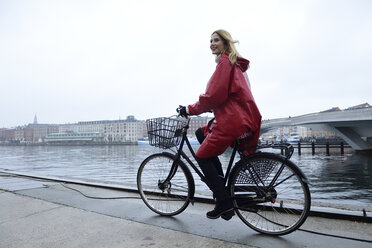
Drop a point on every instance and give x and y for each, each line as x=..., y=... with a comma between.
x=187, y=116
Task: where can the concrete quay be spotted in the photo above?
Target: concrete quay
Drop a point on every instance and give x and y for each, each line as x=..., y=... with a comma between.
x=47, y=213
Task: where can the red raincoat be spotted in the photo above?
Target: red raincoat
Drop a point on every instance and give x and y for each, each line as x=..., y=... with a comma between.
x=229, y=96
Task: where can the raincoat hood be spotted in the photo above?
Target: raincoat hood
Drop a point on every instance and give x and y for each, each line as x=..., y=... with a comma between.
x=243, y=64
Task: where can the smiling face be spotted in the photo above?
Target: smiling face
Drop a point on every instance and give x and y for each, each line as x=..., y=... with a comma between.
x=217, y=45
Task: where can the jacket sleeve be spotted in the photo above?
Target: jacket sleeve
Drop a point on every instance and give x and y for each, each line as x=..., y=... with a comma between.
x=217, y=89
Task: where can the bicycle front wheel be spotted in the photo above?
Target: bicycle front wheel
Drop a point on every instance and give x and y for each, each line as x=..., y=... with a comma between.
x=165, y=198
x=270, y=194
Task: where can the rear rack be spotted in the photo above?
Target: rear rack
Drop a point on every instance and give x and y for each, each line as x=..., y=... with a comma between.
x=286, y=147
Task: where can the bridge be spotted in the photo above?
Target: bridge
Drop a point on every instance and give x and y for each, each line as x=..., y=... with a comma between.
x=354, y=125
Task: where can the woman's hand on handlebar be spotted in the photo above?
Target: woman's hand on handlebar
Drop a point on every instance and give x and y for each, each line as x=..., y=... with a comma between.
x=182, y=111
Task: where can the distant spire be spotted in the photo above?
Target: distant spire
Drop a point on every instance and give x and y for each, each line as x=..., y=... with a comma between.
x=35, y=119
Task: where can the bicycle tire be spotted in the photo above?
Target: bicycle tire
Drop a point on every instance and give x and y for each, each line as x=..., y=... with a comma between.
x=281, y=209
x=173, y=198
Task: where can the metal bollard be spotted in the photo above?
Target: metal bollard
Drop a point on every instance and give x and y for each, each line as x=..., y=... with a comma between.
x=313, y=147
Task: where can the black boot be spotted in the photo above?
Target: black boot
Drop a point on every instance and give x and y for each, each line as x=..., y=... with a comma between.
x=215, y=183
x=227, y=215
x=223, y=208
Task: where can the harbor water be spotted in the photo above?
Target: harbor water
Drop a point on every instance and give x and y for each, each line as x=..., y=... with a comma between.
x=335, y=179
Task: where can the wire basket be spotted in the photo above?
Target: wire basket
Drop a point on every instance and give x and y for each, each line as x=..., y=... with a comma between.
x=165, y=132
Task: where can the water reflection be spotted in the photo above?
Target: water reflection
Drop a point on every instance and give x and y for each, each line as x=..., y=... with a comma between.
x=337, y=179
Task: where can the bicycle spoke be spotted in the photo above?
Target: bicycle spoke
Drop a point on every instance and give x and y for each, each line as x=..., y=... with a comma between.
x=282, y=207
x=162, y=192
x=283, y=180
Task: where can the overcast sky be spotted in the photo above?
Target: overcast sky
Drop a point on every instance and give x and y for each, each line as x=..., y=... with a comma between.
x=70, y=61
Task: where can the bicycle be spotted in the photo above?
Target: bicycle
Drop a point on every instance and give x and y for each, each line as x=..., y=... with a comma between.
x=269, y=192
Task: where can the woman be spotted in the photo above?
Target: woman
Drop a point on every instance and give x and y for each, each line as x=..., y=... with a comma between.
x=229, y=96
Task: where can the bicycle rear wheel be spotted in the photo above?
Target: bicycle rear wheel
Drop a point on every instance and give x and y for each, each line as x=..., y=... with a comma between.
x=170, y=198
x=276, y=210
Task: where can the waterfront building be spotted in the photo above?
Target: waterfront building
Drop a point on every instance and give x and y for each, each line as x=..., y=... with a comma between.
x=29, y=133
x=324, y=134
x=19, y=134
x=65, y=128
x=2, y=134
x=32, y=133
x=120, y=131
x=304, y=133
x=128, y=130
x=7, y=135
x=196, y=122
x=38, y=132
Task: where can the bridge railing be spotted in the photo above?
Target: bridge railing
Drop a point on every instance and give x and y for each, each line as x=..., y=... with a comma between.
x=314, y=146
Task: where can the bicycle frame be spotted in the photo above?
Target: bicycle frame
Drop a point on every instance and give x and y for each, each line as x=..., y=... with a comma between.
x=180, y=153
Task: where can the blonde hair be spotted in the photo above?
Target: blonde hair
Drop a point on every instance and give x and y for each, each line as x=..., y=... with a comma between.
x=229, y=46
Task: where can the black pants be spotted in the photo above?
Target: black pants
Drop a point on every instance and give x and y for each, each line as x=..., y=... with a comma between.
x=212, y=169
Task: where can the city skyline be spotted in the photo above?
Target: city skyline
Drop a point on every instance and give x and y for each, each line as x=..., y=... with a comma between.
x=362, y=105
x=126, y=131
